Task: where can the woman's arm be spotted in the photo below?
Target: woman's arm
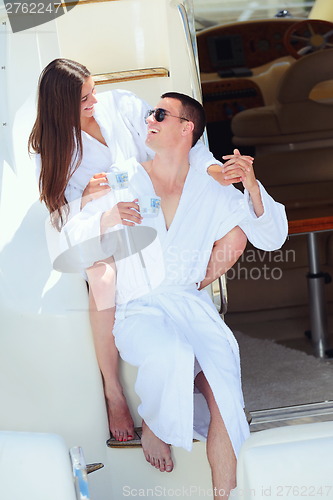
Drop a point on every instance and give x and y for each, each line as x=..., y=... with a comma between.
x=202, y=159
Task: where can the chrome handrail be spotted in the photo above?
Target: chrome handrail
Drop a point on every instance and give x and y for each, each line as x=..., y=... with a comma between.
x=191, y=46
x=79, y=473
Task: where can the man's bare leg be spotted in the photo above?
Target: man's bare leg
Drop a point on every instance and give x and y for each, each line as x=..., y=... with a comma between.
x=102, y=313
x=157, y=453
x=220, y=453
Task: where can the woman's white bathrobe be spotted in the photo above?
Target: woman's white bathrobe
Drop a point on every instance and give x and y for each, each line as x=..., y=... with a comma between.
x=163, y=323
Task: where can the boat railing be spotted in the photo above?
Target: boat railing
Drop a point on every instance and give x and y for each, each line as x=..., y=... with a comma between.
x=127, y=76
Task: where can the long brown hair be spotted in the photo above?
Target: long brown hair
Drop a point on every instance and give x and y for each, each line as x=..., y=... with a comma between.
x=56, y=134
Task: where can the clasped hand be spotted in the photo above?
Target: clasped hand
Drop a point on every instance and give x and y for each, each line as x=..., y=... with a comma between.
x=237, y=168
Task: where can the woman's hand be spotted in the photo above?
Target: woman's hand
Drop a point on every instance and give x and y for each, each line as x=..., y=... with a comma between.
x=239, y=167
x=243, y=165
x=97, y=186
x=233, y=170
x=125, y=212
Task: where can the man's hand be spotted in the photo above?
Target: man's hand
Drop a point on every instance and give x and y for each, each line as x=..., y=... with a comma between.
x=97, y=186
x=125, y=212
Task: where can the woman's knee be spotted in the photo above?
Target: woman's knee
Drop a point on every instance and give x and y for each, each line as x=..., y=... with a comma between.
x=101, y=278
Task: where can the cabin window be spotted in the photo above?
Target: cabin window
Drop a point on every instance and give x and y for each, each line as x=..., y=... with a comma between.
x=211, y=12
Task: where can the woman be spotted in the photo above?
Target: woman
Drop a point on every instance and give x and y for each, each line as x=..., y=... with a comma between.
x=76, y=140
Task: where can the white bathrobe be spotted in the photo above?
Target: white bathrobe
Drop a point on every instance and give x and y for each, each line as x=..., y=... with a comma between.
x=120, y=115
x=163, y=323
x=267, y=232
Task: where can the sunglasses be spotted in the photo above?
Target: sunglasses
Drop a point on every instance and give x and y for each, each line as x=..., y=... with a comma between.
x=160, y=113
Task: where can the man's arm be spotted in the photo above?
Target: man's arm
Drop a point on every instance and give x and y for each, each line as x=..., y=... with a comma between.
x=97, y=186
x=225, y=254
x=266, y=225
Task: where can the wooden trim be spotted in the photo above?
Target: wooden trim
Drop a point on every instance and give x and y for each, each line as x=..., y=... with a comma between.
x=126, y=76
x=311, y=225
x=133, y=443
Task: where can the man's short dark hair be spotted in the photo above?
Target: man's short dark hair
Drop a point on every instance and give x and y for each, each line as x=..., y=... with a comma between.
x=192, y=110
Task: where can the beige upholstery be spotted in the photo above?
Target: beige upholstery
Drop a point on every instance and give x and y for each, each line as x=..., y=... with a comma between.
x=293, y=142
x=293, y=139
x=294, y=117
x=288, y=462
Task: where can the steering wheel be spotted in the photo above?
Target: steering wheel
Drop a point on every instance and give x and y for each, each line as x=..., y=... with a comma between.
x=307, y=36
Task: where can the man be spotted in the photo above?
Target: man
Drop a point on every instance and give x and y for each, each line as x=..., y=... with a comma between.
x=164, y=324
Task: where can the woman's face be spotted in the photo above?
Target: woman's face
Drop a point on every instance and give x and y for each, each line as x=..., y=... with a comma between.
x=88, y=98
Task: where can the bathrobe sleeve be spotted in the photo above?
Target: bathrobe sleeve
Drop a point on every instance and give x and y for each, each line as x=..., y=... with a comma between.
x=86, y=223
x=201, y=158
x=269, y=231
x=132, y=110
x=82, y=234
x=135, y=110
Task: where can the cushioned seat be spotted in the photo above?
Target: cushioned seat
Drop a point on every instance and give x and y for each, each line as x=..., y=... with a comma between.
x=287, y=462
x=307, y=195
x=295, y=116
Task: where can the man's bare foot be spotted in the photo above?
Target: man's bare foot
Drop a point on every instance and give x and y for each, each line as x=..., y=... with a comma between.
x=157, y=452
x=120, y=420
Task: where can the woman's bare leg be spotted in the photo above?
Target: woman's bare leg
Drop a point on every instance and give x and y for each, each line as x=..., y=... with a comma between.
x=101, y=279
x=220, y=453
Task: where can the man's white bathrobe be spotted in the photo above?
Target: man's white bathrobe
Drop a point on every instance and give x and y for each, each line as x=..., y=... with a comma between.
x=163, y=323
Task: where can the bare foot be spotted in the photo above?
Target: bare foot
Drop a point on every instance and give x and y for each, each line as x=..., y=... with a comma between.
x=120, y=421
x=157, y=452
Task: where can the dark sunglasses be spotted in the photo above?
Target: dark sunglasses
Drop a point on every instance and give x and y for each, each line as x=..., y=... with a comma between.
x=160, y=113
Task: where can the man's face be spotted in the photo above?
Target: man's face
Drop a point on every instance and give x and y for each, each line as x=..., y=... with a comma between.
x=166, y=133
